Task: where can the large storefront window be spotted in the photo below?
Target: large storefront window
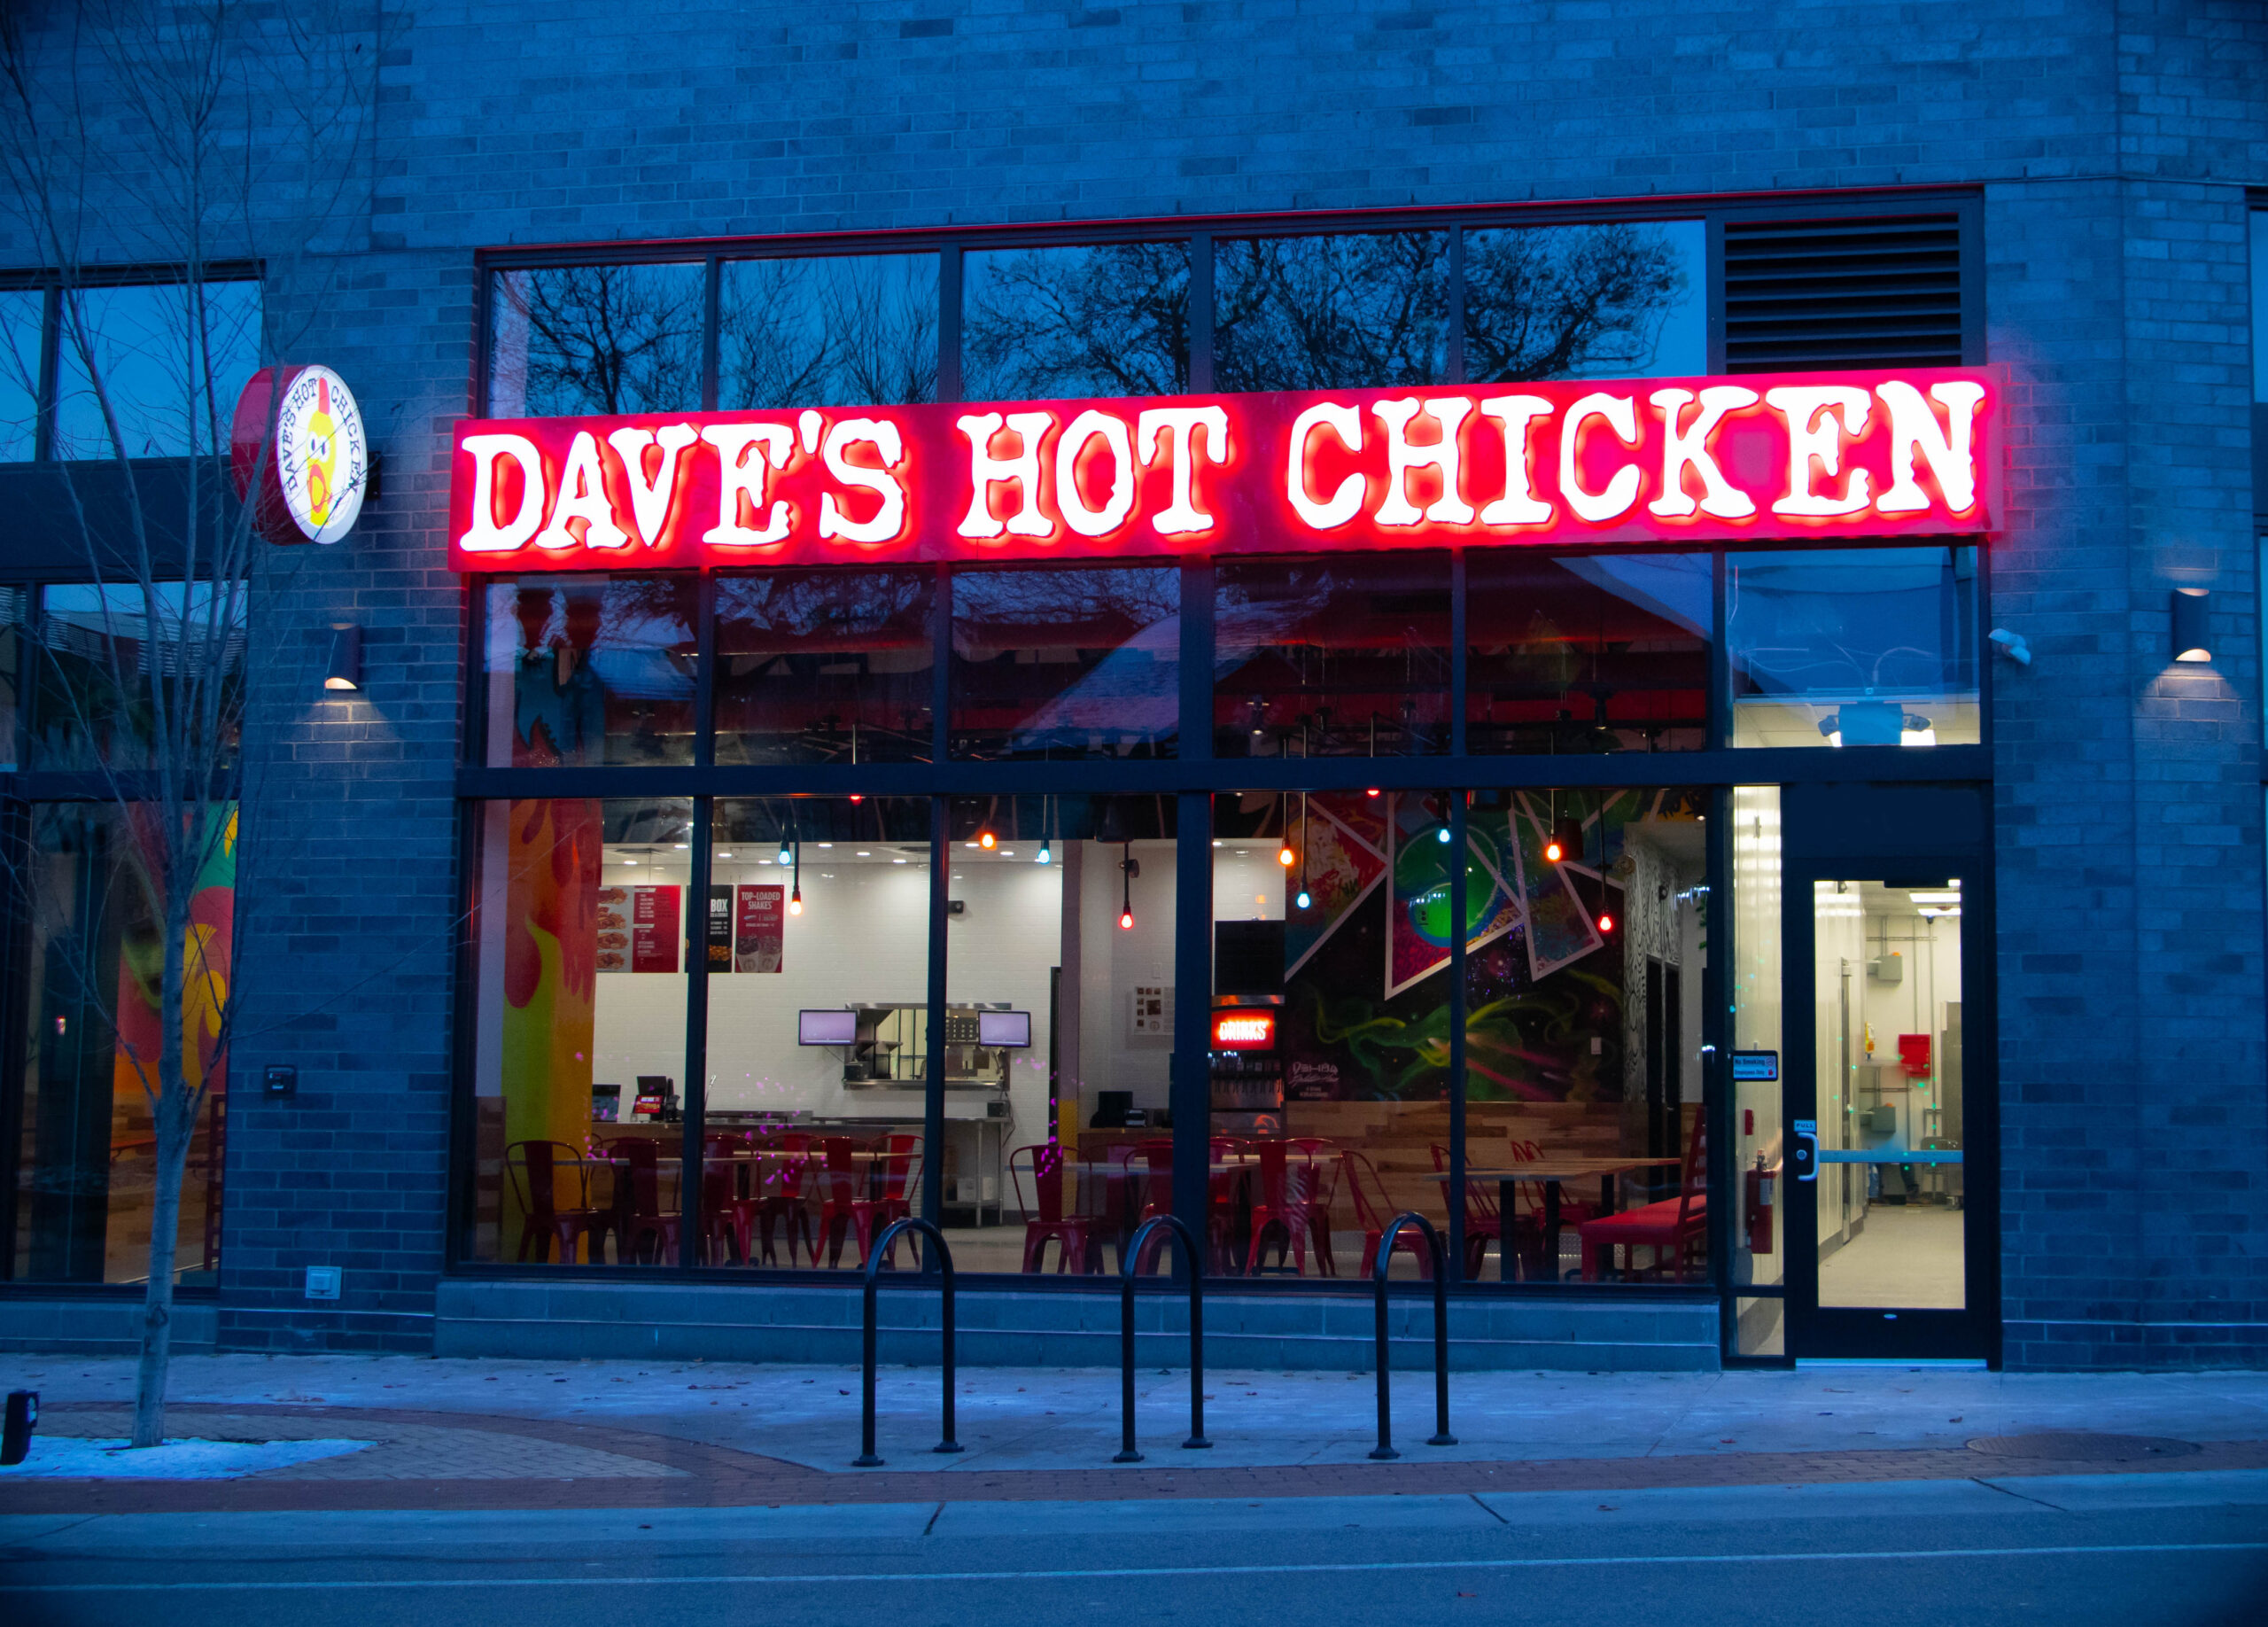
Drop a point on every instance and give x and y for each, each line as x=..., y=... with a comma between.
x=825, y=666
x=1330, y=313
x=1585, y=1148
x=110, y=658
x=816, y=333
x=1840, y=647
x=818, y=1020
x=584, y=671
x=596, y=338
x=1600, y=652
x=1613, y=301
x=1057, y=663
x=579, y=930
x=1059, y=1017
x=1345, y=657
x=86, y=1150
x=1044, y=324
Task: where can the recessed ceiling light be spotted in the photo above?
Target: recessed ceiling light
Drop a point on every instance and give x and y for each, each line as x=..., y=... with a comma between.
x=898, y=862
x=827, y=844
x=866, y=853
x=724, y=855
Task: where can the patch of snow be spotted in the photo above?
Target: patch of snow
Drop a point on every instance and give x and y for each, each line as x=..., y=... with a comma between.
x=62, y=1457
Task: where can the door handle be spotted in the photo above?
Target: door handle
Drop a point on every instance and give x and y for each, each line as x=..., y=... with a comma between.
x=1802, y=1157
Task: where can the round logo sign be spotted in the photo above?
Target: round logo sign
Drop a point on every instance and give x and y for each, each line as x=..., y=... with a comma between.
x=297, y=435
x=321, y=460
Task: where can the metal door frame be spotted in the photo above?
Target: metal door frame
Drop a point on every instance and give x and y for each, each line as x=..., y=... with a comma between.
x=1893, y=1332
x=1873, y=830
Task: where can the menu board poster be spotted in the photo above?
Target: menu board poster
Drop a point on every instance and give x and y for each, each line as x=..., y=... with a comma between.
x=720, y=929
x=758, y=924
x=614, y=929
x=654, y=930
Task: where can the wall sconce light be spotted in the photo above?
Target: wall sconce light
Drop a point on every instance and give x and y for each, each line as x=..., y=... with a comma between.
x=344, y=671
x=2192, y=638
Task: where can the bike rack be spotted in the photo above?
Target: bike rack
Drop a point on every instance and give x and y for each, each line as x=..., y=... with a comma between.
x=866, y=1458
x=1442, y=1435
x=1127, y=1259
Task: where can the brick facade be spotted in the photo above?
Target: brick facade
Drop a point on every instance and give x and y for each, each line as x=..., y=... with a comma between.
x=2112, y=143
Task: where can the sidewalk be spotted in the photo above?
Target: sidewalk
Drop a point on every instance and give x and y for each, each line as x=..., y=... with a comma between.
x=490, y=1433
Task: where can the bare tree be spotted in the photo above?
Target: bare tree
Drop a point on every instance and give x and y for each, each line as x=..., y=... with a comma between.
x=213, y=140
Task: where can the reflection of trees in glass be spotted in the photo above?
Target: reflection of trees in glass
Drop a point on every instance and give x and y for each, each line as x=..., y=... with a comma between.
x=168, y=360
x=828, y=333
x=22, y=315
x=1330, y=313
x=824, y=666
x=1107, y=320
x=1580, y=301
x=595, y=339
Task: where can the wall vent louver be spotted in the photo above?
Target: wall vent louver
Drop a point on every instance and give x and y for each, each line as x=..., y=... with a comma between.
x=1806, y=296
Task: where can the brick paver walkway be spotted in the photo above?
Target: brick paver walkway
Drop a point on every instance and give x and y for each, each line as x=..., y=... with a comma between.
x=455, y=1461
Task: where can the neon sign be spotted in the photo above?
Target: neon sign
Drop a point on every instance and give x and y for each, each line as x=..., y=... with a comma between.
x=1243, y=1031
x=1825, y=456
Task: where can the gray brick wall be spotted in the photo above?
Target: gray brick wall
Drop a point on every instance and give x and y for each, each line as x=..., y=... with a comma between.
x=2111, y=141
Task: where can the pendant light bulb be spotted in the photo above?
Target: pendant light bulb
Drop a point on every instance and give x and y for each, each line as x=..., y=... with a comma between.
x=1285, y=857
x=787, y=853
x=795, y=902
x=1605, y=925
x=986, y=840
x=1552, y=853
x=1303, y=901
x=1442, y=835
x=1047, y=854
x=1126, y=920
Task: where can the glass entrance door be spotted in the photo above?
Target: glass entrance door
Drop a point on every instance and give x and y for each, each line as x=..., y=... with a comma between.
x=1881, y=1256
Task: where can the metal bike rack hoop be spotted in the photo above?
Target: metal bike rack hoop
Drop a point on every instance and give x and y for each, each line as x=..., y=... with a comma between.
x=867, y=1457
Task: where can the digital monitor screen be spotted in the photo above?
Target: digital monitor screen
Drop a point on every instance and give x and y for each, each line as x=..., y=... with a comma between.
x=1003, y=1028
x=826, y=1027
x=647, y=1105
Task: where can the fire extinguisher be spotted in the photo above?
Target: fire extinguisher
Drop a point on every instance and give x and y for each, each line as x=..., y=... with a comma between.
x=1760, y=1182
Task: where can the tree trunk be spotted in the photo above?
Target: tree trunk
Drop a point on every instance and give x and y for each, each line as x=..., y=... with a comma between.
x=175, y=1114
x=175, y=1129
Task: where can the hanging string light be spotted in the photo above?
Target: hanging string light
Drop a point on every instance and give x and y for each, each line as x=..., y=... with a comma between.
x=1128, y=871
x=1303, y=900
x=796, y=890
x=1047, y=854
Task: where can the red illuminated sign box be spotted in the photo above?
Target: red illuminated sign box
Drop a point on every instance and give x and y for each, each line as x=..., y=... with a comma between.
x=1912, y=452
x=1244, y=1030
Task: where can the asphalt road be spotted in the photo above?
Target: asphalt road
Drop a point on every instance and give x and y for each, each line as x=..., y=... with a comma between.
x=2174, y=1548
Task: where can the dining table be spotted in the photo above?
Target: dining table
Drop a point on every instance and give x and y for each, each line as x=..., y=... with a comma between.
x=1552, y=1173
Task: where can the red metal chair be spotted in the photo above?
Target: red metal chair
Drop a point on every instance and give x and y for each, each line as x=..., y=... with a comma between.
x=870, y=1216
x=724, y=1213
x=1484, y=1219
x=788, y=1204
x=1315, y=1178
x=1078, y=1238
x=1674, y=1228
x=1221, y=1187
x=838, y=1195
x=1286, y=1204
x=1156, y=1158
x=532, y=1168
x=1373, y=1208
x=638, y=1215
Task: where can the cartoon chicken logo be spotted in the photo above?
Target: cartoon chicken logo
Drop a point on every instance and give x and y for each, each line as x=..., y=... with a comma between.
x=323, y=457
